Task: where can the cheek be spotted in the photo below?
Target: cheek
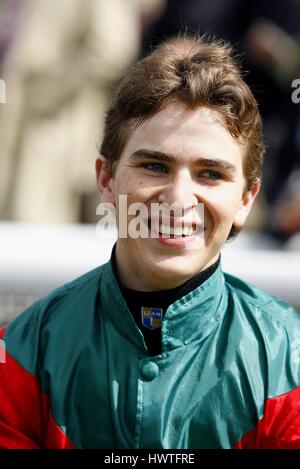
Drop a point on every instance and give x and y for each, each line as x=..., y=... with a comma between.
x=231, y=206
x=133, y=187
x=128, y=191
x=222, y=206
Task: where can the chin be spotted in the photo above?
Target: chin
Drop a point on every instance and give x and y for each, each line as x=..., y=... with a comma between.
x=177, y=269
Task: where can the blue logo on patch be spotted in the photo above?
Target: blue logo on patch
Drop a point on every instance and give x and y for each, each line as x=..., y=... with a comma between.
x=151, y=317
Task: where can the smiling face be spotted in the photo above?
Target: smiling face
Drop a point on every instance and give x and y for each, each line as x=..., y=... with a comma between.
x=185, y=158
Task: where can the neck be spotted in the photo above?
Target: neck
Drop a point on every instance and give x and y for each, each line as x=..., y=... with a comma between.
x=140, y=281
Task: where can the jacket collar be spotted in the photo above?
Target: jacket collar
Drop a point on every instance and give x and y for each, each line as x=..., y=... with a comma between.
x=191, y=318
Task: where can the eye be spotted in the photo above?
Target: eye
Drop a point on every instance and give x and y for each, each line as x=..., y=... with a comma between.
x=212, y=175
x=157, y=167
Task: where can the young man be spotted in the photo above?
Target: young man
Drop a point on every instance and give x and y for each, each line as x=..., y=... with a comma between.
x=158, y=348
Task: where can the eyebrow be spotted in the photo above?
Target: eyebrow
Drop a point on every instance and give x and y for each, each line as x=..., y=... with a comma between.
x=144, y=153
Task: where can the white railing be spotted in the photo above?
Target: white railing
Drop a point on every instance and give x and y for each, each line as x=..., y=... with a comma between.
x=34, y=259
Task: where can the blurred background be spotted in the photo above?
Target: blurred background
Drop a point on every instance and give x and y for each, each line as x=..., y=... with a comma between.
x=60, y=62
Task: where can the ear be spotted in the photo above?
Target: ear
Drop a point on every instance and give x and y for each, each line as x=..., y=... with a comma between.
x=104, y=179
x=246, y=205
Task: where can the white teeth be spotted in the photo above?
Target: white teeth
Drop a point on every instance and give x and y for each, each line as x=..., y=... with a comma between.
x=174, y=231
x=155, y=227
x=164, y=229
x=188, y=230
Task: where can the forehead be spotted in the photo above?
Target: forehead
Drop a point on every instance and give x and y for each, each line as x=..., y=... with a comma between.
x=186, y=133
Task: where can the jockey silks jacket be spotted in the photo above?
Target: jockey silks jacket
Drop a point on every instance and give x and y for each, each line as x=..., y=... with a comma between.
x=76, y=372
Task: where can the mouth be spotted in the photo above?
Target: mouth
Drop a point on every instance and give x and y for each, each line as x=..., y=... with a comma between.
x=175, y=229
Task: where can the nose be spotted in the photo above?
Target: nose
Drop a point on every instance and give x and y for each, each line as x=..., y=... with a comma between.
x=179, y=191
